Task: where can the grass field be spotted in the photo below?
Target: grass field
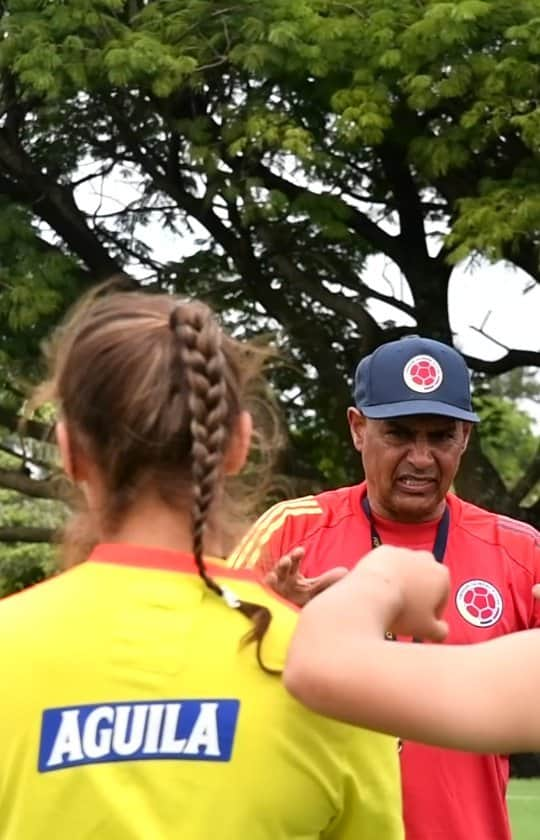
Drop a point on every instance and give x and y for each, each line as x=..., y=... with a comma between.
x=524, y=804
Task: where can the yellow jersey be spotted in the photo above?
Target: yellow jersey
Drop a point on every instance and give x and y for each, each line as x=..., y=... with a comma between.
x=131, y=711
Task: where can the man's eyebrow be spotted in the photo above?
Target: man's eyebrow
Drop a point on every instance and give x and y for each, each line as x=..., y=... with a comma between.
x=395, y=423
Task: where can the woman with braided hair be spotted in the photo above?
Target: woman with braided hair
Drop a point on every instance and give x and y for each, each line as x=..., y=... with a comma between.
x=132, y=706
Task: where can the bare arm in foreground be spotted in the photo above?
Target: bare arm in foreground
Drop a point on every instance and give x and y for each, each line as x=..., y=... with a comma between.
x=483, y=697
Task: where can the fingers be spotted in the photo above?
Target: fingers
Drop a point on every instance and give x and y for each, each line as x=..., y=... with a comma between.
x=536, y=591
x=436, y=632
x=288, y=565
x=322, y=582
x=416, y=588
x=287, y=580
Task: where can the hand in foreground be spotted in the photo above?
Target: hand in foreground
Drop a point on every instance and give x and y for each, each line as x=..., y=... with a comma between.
x=536, y=591
x=287, y=580
x=408, y=589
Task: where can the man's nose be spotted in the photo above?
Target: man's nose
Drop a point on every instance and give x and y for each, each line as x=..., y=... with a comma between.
x=420, y=454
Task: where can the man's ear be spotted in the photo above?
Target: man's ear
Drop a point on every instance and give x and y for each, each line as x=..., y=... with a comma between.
x=73, y=462
x=357, y=426
x=237, y=452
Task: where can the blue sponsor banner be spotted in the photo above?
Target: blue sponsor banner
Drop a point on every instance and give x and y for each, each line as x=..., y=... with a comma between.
x=187, y=730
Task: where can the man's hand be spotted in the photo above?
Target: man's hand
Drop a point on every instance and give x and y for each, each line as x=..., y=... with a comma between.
x=288, y=581
x=536, y=591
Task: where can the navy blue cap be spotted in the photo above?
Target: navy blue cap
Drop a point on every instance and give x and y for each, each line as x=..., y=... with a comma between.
x=414, y=376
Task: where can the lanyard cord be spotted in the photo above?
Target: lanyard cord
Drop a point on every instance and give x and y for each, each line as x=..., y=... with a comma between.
x=441, y=537
x=439, y=549
x=439, y=546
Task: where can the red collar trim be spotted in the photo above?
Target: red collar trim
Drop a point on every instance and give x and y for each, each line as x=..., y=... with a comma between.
x=139, y=556
x=144, y=557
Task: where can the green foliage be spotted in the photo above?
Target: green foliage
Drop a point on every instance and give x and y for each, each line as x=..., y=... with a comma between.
x=293, y=133
x=517, y=384
x=37, y=282
x=508, y=433
x=495, y=221
x=448, y=87
x=23, y=564
x=507, y=436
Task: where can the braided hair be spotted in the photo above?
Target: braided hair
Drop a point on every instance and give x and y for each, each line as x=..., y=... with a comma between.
x=152, y=388
x=204, y=368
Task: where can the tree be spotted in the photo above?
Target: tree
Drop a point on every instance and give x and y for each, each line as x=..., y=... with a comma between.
x=301, y=137
x=506, y=430
x=28, y=526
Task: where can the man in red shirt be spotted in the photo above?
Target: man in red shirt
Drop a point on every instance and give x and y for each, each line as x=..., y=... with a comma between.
x=411, y=423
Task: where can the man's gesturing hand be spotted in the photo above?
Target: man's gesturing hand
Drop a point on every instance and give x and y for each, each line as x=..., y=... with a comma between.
x=288, y=581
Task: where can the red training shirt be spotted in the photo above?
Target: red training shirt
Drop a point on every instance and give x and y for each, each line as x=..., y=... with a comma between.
x=493, y=563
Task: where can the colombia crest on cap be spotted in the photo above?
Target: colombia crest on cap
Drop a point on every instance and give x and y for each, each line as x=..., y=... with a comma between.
x=423, y=374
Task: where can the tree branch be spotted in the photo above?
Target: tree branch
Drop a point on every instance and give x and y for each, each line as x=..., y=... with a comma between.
x=344, y=306
x=513, y=359
x=12, y=421
x=27, y=459
x=532, y=514
x=53, y=203
x=479, y=482
x=133, y=210
x=21, y=483
x=199, y=208
x=356, y=220
x=26, y=534
x=106, y=170
x=528, y=480
x=407, y=200
x=406, y=308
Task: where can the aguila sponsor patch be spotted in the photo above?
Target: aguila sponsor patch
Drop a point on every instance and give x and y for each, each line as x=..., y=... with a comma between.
x=185, y=730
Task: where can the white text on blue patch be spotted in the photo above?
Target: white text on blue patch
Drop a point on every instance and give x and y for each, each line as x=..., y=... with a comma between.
x=200, y=730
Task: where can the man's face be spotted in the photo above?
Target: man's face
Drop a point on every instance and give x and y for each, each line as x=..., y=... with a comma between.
x=410, y=462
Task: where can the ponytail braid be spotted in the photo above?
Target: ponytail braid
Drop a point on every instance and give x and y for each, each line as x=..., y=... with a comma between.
x=205, y=368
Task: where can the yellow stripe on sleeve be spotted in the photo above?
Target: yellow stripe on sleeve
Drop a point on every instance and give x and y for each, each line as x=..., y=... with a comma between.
x=249, y=549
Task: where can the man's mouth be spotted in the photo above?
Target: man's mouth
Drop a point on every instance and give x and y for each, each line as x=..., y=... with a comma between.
x=414, y=482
